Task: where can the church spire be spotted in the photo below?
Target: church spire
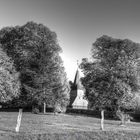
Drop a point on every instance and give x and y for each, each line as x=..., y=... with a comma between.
x=77, y=77
x=77, y=64
x=77, y=81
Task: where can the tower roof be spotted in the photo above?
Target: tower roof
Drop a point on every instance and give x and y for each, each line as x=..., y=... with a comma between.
x=77, y=80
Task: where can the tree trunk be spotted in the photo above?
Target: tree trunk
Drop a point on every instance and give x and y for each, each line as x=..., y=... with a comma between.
x=44, y=107
x=102, y=119
x=123, y=119
x=32, y=108
x=121, y=116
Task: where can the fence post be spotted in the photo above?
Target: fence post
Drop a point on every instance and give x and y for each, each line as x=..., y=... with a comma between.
x=18, y=120
x=102, y=119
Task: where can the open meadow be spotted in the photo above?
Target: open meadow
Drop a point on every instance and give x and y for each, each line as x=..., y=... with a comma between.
x=63, y=127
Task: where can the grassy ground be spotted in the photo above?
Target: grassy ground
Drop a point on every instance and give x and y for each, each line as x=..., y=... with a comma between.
x=64, y=127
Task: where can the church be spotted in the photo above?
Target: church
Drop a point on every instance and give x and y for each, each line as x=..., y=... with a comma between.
x=77, y=100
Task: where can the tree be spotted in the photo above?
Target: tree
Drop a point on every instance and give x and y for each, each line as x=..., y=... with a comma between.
x=35, y=51
x=9, y=79
x=110, y=78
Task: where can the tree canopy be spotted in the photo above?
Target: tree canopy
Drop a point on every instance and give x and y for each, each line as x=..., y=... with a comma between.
x=9, y=78
x=111, y=76
x=35, y=51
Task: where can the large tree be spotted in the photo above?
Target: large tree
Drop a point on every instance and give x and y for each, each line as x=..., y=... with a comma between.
x=111, y=77
x=35, y=51
x=9, y=79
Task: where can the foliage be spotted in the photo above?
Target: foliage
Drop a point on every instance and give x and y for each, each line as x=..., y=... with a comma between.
x=35, y=51
x=9, y=78
x=35, y=111
x=111, y=77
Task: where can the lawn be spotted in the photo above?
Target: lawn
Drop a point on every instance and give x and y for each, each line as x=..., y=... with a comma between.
x=63, y=127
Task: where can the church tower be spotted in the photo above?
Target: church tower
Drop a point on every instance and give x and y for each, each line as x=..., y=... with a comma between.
x=77, y=100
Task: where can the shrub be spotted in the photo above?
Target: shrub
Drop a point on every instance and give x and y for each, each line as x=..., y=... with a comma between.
x=35, y=111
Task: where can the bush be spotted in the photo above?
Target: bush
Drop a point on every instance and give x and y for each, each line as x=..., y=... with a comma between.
x=35, y=111
x=94, y=113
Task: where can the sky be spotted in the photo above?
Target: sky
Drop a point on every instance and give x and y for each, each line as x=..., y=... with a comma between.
x=77, y=23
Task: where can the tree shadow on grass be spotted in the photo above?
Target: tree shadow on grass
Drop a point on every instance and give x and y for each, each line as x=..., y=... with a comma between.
x=47, y=113
x=2, y=130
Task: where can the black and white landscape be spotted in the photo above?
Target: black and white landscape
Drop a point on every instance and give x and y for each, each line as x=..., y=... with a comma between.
x=69, y=69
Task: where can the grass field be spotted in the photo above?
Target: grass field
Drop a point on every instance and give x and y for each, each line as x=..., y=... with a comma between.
x=64, y=127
